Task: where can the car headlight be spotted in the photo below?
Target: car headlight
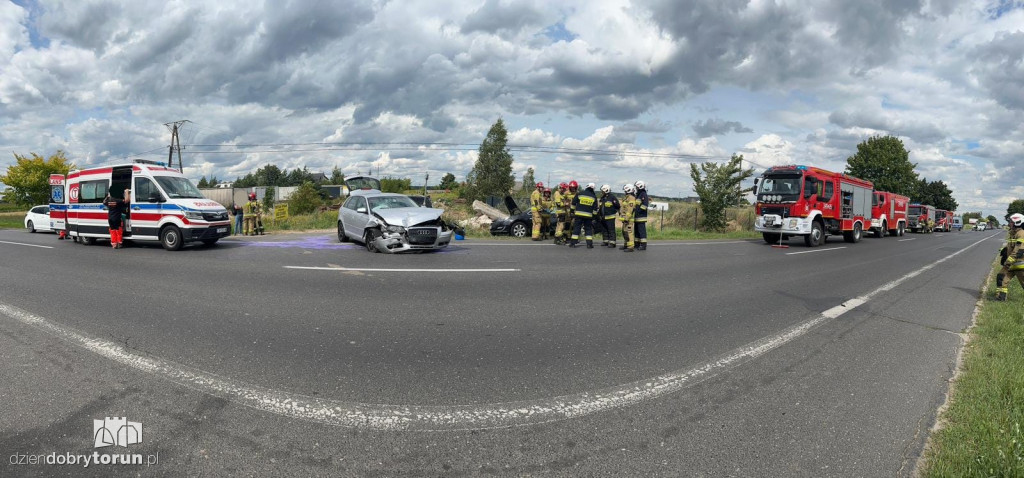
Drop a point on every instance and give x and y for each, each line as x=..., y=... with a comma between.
x=397, y=229
x=194, y=215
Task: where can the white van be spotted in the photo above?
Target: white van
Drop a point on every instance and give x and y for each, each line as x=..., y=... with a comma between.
x=165, y=205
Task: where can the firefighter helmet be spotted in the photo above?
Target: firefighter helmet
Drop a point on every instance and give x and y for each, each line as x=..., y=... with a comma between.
x=540, y=185
x=547, y=191
x=574, y=185
x=562, y=185
x=252, y=196
x=640, y=184
x=628, y=189
x=606, y=188
x=591, y=185
x=1017, y=219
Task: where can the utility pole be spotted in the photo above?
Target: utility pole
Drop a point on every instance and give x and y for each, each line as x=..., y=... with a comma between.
x=425, y=187
x=175, y=144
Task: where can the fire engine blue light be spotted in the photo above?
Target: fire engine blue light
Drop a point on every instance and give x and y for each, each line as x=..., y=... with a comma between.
x=801, y=167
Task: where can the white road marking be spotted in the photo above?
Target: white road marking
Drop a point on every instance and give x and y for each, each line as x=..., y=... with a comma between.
x=455, y=417
x=654, y=243
x=905, y=240
x=369, y=269
x=29, y=245
x=816, y=250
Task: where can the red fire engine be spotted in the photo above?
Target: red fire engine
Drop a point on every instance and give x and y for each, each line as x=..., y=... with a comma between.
x=813, y=203
x=921, y=217
x=889, y=214
x=943, y=220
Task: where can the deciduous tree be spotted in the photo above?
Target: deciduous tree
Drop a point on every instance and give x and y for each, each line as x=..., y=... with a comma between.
x=28, y=179
x=448, y=181
x=884, y=161
x=718, y=187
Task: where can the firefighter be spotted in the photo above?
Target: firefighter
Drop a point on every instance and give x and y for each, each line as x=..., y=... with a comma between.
x=252, y=209
x=583, y=205
x=626, y=214
x=1013, y=260
x=535, y=207
x=568, y=199
x=558, y=203
x=546, y=206
x=607, y=212
x=642, y=203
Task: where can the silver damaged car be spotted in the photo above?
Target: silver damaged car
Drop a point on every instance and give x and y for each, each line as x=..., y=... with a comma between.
x=389, y=222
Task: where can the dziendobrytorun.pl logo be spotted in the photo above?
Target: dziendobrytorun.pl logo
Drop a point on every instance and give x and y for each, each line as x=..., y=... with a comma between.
x=110, y=431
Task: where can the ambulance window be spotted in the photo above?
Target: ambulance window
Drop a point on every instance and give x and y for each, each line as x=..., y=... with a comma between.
x=92, y=191
x=144, y=188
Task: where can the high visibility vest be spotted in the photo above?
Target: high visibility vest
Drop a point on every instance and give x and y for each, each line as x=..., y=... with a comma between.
x=584, y=204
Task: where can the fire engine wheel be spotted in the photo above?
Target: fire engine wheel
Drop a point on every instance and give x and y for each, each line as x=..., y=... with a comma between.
x=901, y=230
x=771, y=238
x=882, y=231
x=854, y=235
x=170, y=238
x=816, y=237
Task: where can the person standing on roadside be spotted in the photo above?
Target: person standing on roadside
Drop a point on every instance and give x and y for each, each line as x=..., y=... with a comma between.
x=569, y=197
x=583, y=216
x=626, y=211
x=608, y=210
x=561, y=209
x=116, y=209
x=1013, y=262
x=643, y=202
x=239, y=215
x=545, y=214
x=252, y=208
x=536, y=197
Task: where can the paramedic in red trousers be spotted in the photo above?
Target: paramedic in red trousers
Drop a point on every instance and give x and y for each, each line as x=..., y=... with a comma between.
x=116, y=208
x=609, y=209
x=584, y=204
x=642, y=203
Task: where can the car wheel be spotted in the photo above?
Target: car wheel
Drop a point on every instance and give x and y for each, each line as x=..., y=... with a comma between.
x=518, y=229
x=368, y=237
x=170, y=238
x=31, y=227
x=341, y=233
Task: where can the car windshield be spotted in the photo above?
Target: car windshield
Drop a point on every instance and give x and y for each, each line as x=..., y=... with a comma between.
x=390, y=202
x=178, y=187
x=789, y=184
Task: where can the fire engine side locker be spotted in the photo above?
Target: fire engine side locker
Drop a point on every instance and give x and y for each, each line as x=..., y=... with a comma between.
x=855, y=207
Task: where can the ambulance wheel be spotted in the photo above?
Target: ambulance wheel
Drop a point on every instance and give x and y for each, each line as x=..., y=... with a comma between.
x=31, y=227
x=815, y=238
x=88, y=241
x=170, y=238
x=771, y=238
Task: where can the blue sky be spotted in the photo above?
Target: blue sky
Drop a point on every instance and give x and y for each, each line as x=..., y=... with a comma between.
x=662, y=82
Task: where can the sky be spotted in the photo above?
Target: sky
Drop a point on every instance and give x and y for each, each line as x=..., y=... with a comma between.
x=652, y=85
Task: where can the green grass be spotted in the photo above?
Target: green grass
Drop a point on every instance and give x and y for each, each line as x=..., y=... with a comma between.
x=303, y=222
x=12, y=220
x=982, y=433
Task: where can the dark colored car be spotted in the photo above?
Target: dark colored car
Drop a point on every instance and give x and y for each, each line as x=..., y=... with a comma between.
x=520, y=222
x=422, y=201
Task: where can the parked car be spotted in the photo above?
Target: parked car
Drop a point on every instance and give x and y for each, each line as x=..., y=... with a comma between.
x=38, y=219
x=390, y=222
x=519, y=223
x=422, y=201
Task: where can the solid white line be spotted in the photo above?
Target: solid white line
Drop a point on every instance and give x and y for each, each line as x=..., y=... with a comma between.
x=816, y=250
x=455, y=417
x=905, y=240
x=29, y=245
x=368, y=269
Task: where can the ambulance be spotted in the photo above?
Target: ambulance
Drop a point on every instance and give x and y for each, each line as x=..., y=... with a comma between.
x=165, y=205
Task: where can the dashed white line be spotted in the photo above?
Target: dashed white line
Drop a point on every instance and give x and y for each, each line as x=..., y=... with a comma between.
x=29, y=245
x=375, y=269
x=456, y=417
x=905, y=240
x=816, y=250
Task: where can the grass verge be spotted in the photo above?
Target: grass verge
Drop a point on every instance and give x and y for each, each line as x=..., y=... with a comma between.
x=980, y=432
x=12, y=220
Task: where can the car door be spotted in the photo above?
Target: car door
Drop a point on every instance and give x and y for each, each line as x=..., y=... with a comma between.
x=355, y=218
x=145, y=209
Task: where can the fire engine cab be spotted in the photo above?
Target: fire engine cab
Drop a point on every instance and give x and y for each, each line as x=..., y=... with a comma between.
x=921, y=217
x=813, y=203
x=889, y=214
x=165, y=205
x=943, y=220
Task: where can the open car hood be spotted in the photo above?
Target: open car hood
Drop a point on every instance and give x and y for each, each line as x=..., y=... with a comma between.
x=408, y=216
x=513, y=208
x=356, y=183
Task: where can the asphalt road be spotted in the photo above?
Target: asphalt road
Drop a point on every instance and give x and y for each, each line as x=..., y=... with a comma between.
x=726, y=358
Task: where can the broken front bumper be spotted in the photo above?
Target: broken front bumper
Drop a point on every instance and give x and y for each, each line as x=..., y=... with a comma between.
x=413, y=239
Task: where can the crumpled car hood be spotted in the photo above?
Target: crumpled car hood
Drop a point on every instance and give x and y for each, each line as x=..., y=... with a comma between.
x=408, y=216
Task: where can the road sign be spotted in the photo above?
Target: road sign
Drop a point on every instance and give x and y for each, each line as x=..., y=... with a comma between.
x=658, y=206
x=280, y=212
